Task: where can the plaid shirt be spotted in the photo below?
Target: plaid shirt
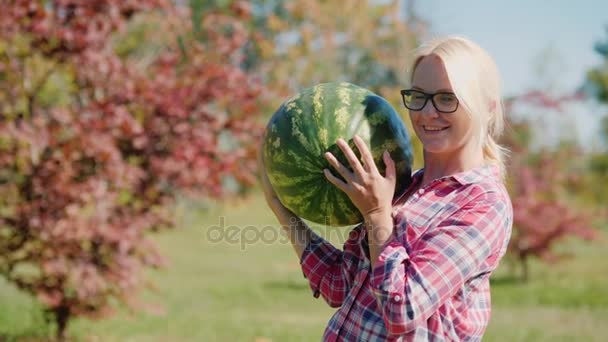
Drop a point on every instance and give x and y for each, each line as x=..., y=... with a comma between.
x=431, y=282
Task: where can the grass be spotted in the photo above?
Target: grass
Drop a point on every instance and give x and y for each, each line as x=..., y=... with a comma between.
x=222, y=291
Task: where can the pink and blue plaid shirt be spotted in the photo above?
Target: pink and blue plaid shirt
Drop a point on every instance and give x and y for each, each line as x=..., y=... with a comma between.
x=431, y=282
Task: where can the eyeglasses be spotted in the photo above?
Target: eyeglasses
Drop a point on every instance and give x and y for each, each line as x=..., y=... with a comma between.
x=444, y=102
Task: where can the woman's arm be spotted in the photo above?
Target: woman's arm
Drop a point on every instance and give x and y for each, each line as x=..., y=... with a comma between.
x=297, y=231
x=379, y=228
x=329, y=271
x=411, y=287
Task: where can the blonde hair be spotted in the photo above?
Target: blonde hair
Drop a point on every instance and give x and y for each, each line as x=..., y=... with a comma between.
x=476, y=82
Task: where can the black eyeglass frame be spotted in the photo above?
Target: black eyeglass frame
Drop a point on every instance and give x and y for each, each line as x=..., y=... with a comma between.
x=428, y=96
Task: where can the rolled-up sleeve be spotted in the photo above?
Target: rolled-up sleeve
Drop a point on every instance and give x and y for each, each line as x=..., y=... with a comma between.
x=330, y=271
x=409, y=288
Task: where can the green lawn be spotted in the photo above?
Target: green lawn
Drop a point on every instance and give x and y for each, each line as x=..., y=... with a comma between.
x=255, y=292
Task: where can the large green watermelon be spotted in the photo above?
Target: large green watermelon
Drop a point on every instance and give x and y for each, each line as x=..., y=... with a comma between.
x=308, y=125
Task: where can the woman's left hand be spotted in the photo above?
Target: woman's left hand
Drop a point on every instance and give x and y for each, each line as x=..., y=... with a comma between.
x=369, y=191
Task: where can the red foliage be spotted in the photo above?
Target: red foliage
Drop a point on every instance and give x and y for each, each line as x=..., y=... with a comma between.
x=540, y=183
x=541, y=217
x=82, y=183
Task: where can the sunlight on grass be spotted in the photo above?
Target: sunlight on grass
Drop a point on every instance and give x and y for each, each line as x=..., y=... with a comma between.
x=237, y=291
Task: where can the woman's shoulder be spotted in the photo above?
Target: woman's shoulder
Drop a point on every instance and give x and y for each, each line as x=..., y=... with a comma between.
x=483, y=185
x=485, y=178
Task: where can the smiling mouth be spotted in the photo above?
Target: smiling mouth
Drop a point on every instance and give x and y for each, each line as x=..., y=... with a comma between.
x=434, y=129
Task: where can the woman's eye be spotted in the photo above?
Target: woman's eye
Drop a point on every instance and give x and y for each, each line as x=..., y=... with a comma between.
x=447, y=98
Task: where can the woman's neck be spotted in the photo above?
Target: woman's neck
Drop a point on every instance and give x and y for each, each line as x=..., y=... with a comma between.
x=437, y=166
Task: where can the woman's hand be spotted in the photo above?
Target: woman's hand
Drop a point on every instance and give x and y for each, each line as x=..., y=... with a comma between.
x=369, y=191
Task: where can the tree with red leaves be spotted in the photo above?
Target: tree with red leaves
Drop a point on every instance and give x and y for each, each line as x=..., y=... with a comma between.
x=94, y=147
x=542, y=185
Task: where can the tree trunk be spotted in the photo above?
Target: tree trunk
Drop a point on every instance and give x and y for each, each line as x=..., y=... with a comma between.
x=524, y=267
x=62, y=317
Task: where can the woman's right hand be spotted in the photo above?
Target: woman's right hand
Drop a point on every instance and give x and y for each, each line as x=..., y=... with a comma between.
x=282, y=213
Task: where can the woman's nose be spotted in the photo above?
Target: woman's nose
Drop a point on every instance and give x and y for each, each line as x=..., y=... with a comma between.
x=429, y=109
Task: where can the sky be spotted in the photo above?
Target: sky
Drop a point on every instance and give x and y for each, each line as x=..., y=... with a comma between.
x=537, y=44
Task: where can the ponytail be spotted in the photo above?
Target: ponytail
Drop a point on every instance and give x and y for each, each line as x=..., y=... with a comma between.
x=494, y=153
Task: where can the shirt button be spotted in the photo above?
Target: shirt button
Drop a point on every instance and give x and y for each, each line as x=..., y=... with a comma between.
x=397, y=298
x=421, y=191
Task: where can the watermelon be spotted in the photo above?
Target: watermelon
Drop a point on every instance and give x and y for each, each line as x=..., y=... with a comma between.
x=309, y=124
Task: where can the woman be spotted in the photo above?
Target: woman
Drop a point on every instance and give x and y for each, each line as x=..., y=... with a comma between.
x=418, y=268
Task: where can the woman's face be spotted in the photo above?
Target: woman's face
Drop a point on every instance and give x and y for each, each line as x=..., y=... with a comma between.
x=440, y=133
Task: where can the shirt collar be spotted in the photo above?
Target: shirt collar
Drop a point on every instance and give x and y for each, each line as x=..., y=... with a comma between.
x=478, y=174
x=475, y=175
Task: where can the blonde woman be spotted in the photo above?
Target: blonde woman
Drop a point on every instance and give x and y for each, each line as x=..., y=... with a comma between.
x=418, y=268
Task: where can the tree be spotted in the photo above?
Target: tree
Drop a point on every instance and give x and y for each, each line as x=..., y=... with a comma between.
x=299, y=43
x=597, y=77
x=95, y=145
x=597, y=82
x=543, y=188
x=364, y=42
